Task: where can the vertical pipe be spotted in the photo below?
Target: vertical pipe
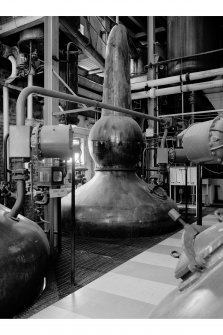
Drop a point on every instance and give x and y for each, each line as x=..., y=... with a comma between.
x=5, y=111
x=150, y=75
x=73, y=225
x=51, y=226
x=30, y=97
x=199, y=194
x=51, y=48
x=59, y=233
x=186, y=193
x=5, y=127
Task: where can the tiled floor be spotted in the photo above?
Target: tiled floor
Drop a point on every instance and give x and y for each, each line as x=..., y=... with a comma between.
x=131, y=290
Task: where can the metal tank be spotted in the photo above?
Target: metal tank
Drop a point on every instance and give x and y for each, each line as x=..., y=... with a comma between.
x=200, y=293
x=203, y=141
x=24, y=252
x=189, y=35
x=116, y=202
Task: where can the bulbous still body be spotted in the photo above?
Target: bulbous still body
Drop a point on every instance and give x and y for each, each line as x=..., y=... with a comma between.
x=24, y=252
x=200, y=294
x=115, y=202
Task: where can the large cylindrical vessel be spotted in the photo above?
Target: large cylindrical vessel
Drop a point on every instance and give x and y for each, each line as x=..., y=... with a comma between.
x=115, y=202
x=200, y=294
x=24, y=252
x=203, y=141
x=189, y=35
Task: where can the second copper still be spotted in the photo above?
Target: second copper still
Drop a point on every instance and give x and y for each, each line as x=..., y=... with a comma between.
x=116, y=202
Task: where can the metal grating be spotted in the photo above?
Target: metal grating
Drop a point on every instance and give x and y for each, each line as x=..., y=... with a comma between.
x=94, y=257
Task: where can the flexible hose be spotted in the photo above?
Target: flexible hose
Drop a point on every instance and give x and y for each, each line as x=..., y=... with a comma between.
x=19, y=199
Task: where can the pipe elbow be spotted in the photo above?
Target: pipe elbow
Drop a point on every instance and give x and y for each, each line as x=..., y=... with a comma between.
x=14, y=70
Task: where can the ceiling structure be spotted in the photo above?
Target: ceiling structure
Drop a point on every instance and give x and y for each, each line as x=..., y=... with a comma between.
x=90, y=35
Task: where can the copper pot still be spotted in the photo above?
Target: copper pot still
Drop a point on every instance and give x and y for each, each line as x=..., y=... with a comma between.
x=200, y=293
x=116, y=202
x=24, y=253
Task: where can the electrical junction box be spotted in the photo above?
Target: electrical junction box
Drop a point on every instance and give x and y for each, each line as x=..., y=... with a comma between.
x=19, y=141
x=50, y=176
x=178, y=176
x=162, y=155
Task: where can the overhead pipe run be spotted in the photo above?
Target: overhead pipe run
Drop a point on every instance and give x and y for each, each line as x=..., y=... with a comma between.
x=179, y=78
x=153, y=92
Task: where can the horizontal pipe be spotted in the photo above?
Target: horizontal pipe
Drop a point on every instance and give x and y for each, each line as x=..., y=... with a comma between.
x=153, y=93
x=192, y=113
x=78, y=110
x=178, y=79
x=20, y=105
x=186, y=57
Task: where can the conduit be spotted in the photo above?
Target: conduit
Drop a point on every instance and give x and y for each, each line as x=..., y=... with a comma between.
x=152, y=93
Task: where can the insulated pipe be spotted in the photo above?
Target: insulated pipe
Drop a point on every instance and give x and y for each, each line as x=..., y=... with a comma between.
x=179, y=78
x=152, y=93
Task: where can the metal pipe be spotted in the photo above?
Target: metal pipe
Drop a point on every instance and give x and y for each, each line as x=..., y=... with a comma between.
x=14, y=70
x=199, y=194
x=5, y=111
x=5, y=156
x=191, y=113
x=20, y=120
x=162, y=145
x=151, y=75
x=6, y=96
x=30, y=97
x=179, y=78
x=19, y=199
x=73, y=232
x=152, y=93
x=186, y=57
x=65, y=84
x=20, y=105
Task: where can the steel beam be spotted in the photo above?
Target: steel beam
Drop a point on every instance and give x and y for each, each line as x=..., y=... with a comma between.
x=19, y=23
